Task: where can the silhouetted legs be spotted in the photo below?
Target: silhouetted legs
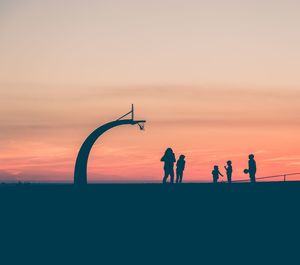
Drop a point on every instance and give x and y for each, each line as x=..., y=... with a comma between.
x=172, y=176
x=165, y=178
x=252, y=177
x=179, y=175
x=167, y=173
x=229, y=178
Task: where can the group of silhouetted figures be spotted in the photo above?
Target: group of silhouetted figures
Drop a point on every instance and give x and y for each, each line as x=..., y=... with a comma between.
x=169, y=161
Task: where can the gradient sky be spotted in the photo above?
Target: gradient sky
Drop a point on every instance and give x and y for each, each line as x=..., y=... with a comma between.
x=216, y=80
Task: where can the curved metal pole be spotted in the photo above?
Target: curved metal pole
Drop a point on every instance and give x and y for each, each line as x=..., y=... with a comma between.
x=80, y=174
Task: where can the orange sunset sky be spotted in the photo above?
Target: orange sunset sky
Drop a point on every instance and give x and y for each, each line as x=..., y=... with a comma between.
x=215, y=80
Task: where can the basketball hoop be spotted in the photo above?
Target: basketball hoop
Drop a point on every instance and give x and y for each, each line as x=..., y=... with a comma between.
x=80, y=172
x=142, y=126
x=140, y=123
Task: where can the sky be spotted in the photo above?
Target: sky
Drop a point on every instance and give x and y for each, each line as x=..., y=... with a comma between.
x=215, y=80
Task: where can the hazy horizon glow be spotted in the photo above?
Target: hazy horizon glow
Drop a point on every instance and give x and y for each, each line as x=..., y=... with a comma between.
x=214, y=80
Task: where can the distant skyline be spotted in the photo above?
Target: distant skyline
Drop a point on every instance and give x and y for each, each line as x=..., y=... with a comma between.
x=215, y=80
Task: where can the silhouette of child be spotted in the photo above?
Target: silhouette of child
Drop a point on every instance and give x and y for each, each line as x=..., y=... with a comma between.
x=216, y=174
x=252, y=168
x=169, y=160
x=180, y=168
x=228, y=171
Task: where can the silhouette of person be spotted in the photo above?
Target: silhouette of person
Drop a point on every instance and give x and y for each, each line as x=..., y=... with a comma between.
x=216, y=174
x=229, y=171
x=180, y=166
x=252, y=168
x=169, y=160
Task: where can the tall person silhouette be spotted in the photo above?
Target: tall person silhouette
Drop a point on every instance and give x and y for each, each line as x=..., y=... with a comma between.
x=229, y=171
x=169, y=160
x=180, y=166
x=252, y=168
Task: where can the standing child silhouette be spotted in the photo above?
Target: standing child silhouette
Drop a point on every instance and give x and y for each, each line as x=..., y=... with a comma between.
x=252, y=168
x=180, y=166
x=229, y=171
x=169, y=160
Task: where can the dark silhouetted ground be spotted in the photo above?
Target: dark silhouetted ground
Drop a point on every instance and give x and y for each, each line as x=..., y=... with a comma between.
x=151, y=223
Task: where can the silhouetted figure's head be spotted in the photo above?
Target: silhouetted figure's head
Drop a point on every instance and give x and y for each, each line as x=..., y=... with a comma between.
x=216, y=167
x=169, y=151
x=182, y=157
x=251, y=157
x=229, y=163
